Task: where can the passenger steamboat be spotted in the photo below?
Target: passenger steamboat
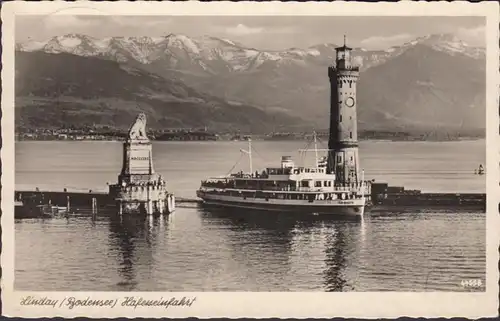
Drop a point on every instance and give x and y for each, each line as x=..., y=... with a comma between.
x=335, y=186
x=287, y=188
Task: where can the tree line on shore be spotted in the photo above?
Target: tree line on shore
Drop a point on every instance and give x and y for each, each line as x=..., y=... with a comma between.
x=110, y=133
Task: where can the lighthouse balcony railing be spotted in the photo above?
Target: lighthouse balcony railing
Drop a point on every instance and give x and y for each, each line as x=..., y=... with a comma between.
x=353, y=68
x=333, y=69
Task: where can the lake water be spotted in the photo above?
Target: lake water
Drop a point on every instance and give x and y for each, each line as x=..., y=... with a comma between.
x=196, y=249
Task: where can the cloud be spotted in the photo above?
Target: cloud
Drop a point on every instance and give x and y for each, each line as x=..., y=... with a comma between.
x=242, y=30
x=44, y=27
x=475, y=36
x=98, y=21
x=382, y=42
x=66, y=21
x=141, y=21
x=41, y=28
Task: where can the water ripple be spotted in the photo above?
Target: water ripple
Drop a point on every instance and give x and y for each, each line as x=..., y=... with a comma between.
x=198, y=249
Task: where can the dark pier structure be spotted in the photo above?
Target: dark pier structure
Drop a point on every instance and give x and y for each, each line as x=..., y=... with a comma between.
x=34, y=204
x=385, y=197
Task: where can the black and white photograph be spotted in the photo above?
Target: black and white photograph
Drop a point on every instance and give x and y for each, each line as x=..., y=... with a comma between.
x=252, y=153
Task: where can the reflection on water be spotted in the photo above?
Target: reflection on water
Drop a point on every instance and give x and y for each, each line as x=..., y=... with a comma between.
x=219, y=250
x=123, y=232
x=133, y=240
x=201, y=249
x=335, y=261
x=281, y=234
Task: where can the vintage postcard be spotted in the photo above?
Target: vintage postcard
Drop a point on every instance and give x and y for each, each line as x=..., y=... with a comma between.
x=249, y=159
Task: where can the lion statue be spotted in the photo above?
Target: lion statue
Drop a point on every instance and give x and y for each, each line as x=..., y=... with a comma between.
x=138, y=130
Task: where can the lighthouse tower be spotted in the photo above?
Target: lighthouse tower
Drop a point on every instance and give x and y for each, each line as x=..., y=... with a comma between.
x=343, y=157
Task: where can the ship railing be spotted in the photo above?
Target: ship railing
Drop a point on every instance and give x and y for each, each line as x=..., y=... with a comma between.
x=345, y=189
x=219, y=184
x=299, y=196
x=256, y=174
x=259, y=188
x=223, y=185
x=309, y=189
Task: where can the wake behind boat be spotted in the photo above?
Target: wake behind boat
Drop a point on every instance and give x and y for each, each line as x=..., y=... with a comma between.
x=334, y=187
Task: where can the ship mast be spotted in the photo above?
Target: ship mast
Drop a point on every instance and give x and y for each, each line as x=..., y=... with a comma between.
x=316, y=150
x=363, y=185
x=249, y=153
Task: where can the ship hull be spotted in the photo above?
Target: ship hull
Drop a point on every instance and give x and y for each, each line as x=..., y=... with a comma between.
x=352, y=208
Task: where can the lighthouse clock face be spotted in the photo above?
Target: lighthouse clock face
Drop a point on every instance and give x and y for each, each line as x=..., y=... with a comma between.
x=350, y=102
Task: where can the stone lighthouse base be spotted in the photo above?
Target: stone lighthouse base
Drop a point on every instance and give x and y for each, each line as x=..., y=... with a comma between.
x=143, y=199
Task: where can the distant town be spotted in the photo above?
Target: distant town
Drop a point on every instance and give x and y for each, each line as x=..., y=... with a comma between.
x=105, y=133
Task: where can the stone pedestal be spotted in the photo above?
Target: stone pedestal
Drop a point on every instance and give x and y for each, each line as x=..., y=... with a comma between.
x=139, y=189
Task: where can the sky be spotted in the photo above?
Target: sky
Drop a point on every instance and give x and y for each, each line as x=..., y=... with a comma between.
x=261, y=32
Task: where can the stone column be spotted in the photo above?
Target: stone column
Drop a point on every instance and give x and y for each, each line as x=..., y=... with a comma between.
x=169, y=204
x=94, y=205
x=161, y=206
x=149, y=207
x=173, y=202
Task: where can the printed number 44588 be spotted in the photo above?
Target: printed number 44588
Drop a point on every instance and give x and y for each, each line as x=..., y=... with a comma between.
x=473, y=283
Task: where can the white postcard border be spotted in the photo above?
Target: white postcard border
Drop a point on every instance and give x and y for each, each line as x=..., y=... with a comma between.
x=247, y=304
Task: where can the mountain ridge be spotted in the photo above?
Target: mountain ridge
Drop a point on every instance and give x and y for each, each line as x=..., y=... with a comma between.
x=294, y=81
x=145, y=49
x=53, y=90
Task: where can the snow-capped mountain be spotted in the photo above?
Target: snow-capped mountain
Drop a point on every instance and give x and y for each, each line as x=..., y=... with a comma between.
x=452, y=45
x=437, y=79
x=214, y=55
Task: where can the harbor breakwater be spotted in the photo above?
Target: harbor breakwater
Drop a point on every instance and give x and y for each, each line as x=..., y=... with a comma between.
x=384, y=196
x=39, y=203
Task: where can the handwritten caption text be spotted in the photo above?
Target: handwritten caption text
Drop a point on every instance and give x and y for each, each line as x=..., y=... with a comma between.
x=134, y=302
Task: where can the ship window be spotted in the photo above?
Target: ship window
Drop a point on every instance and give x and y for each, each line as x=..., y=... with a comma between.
x=339, y=159
x=350, y=134
x=317, y=184
x=340, y=119
x=351, y=159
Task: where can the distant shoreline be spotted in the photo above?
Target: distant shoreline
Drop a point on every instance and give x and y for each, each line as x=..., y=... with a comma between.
x=416, y=139
x=185, y=135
